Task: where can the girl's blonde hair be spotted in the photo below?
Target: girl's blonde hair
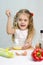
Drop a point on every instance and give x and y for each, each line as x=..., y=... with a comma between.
x=30, y=26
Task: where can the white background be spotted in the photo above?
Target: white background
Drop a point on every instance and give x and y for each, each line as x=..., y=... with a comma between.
x=35, y=6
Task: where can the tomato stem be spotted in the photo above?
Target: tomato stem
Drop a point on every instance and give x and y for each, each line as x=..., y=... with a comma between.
x=39, y=54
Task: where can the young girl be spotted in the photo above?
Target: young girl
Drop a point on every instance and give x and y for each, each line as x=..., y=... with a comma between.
x=22, y=30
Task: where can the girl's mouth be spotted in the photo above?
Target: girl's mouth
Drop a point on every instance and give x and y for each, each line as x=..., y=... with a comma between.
x=22, y=25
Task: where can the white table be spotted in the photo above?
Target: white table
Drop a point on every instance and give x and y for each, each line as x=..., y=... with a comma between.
x=19, y=60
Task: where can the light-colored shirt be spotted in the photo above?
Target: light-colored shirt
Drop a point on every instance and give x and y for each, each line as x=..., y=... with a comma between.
x=20, y=37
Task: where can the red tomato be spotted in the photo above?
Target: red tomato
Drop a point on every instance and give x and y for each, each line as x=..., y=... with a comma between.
x=37, y=54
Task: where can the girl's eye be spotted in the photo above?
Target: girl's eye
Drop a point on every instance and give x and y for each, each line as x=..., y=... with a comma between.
x=25, y=19
x=20, y=19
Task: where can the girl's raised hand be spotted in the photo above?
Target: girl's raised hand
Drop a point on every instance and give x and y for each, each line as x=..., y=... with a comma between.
x=8, y=13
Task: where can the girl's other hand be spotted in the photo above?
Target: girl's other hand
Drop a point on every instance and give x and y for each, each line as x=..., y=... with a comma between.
x=21, y=54
x=8, y=13
x=26, y=46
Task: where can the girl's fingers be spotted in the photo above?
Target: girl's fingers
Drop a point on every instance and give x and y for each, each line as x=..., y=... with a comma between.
x=8, y=13
x=24, y=53
x=26, y=46
x=18, y=54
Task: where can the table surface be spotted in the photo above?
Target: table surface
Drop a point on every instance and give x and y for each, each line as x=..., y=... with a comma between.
x=19, y=60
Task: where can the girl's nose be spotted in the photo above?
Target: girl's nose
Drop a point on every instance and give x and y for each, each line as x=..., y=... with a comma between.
x=22, y=21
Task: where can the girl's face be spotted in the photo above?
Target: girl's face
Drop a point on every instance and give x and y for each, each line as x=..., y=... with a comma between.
x=23, y=21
